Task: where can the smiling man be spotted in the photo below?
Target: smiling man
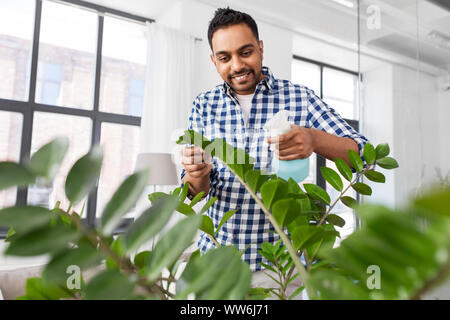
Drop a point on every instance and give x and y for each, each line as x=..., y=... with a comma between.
x=236, y=111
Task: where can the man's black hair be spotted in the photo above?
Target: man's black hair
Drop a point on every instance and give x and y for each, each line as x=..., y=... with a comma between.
x=225, y=17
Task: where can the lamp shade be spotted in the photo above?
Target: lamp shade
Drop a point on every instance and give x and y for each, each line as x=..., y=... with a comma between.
x=162, y=169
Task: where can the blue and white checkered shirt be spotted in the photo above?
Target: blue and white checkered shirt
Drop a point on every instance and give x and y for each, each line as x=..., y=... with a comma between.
x=217, y=114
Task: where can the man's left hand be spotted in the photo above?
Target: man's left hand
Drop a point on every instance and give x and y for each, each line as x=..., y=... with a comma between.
x=297, y=143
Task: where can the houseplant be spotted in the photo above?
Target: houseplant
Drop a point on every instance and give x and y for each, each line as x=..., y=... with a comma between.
x=130, y=274
x=386, y=235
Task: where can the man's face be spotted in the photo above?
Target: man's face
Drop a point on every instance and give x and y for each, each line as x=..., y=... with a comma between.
x=238, y=55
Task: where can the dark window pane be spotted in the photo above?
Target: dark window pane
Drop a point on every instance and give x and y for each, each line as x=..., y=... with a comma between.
x=10, y=137
x=16, y=33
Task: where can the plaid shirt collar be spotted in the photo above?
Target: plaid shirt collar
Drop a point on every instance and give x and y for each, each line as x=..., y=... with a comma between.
x=268, y=82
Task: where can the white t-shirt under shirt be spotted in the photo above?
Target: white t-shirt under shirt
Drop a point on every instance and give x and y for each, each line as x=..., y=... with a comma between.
x=245, y=102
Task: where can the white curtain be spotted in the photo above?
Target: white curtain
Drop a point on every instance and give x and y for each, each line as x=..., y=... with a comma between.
x=168, y=93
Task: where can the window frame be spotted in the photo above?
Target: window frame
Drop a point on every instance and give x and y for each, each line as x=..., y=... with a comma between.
x=29, y=107
x=355, y=124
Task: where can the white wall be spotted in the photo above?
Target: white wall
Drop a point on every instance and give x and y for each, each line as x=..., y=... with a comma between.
x=193, y=18
x=416, y=131
x=401, y=107
x=444, y=127
x=378, y=102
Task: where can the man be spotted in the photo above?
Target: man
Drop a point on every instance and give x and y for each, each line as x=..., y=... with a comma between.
x=236, y=111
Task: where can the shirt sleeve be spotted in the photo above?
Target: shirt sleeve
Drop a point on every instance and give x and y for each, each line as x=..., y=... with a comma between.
x=195, y=123
x=323, y=117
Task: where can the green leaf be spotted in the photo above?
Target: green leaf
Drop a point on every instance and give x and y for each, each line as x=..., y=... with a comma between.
x=375, y=176
x=155, y=196
x=84, y=257
x=225, y=218
x=49, y=239
x=369, y=153
x=349, y=201
x=12, y=174
x=117, y=247
x=382, y=150
x=255, y=179
x=332, y=178
x=211, y=276
x=38, y=289
x=344, y=169
x=123, y=200
x=184, y=192
x=304, y=235
x=362, y=188
x=24, y=219
x=226, y=280
x=355, y=160
x=285, y=211
x=46, y=161
x=195, y=138
x=10, y=234
x=296, y=292
x=272, y=191
x=207, y=225
x=242, y=163
x=241, y=285
x=150, y=223
x=258, y=293
x=208, y=204
x=197, y=198
x=110, y=285
x=336, y=220
x=172, y=244
x=435, y=200
x=387, y=163
x=185, y=209
x=317, y=193
x=84, y=175
x=140, y=260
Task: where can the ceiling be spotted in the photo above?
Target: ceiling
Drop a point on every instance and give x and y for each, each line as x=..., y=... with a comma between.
x=398, y=34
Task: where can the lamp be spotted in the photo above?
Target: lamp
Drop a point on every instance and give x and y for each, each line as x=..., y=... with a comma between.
x=162, y=169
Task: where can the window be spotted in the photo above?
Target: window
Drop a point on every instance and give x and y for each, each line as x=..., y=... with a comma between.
x=84, y=79
x=47, y=126
x=67, y=43
x=10, y=136
x=121, y=146
x=136, y=97
x=49, y=82
x=16, y=35
x=124, y=57
x=338, y=88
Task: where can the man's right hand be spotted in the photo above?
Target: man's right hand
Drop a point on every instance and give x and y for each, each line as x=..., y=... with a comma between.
x=196, y=163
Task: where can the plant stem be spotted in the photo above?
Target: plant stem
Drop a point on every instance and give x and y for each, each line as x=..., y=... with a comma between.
x=96, y=239
x=432, y=282
x=292, y=252
x=214, y=240
x=341, y=194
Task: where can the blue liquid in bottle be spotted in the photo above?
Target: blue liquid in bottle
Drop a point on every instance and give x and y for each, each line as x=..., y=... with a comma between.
x=296, y=169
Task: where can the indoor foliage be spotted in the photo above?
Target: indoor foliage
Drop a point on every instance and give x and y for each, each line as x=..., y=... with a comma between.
x=410, y=247
x=124, y=272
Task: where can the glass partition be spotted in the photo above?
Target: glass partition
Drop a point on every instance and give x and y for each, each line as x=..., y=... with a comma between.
x=404, y=62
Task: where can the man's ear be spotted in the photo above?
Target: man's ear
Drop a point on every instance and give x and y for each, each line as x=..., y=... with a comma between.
x=261, y=48
x=213, y=59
